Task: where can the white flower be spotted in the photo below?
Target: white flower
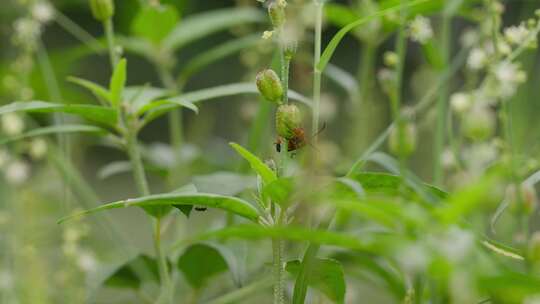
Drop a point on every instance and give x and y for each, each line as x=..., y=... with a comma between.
x=534, y=299
x=4, y=157
x=38, y=148
x=12, y=124
x=267, y=35
x=509, y=76
x=460, y=102
x=455, y=244
x=42, y=12
x=17, y=172
x=469, y=38
x=413, y=258
x=448, y=159
x=86, y=261
x=282, y=3
x=477, y=59
x=6, y=280
x=420, y=29
x=516, y=34
x=27, y=30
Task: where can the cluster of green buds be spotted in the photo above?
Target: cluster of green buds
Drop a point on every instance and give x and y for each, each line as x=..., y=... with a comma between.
x=102, y=10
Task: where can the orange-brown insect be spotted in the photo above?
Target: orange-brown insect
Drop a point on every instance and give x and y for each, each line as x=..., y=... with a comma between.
x=297, y=141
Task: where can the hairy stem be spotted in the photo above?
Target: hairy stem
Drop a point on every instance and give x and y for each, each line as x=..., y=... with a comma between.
x=277, y=253
x=109, y=33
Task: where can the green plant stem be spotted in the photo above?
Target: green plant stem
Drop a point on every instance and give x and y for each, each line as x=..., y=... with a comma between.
x=109, y=33
x=277, y=253
x=360, y=116
x=78, y=32
x=319, y=6
x=442, y=103
x=144, y=190
x=175, y=116
x=401, y=49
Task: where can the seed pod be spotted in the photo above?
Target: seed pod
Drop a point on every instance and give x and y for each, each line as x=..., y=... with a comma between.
x=288, y=118
x=405, y=146
x=277, y=14
x=269, y=86
x=102, y=9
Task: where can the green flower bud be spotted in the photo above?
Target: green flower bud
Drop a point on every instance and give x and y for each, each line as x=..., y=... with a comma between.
x=269, y=86
x=288, y=118
x=479, y=123
x=102, y=9
x=405, y=146
x=276, y=12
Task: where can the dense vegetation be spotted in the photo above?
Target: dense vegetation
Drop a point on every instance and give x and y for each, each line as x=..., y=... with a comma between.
x=271, y=151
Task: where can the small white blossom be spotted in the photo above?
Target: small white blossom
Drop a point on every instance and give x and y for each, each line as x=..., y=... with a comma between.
x=509, y=76
x=43, y=12
x=6, y=280
x=12, y=124
x=516, y=34
x=4, y=157
x=86, y=261
x=17, y=172
x=534, y=299
x=413, y=258
x=448, y=159
x=460, y=102
x=38, y=148
x=267, y=35
x=477, y=59
x=469, y=38
x=455, y=244
x=420, y=29
x=26, y=31
x=282, y=3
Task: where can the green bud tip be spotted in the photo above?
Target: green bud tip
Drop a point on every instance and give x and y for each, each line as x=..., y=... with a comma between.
x=102, y=10
x=276, y=11
x=269, y=86
x=405, y=146
x=288, y=118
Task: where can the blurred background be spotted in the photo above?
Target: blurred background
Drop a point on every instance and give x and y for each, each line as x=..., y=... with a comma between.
x=42, y=262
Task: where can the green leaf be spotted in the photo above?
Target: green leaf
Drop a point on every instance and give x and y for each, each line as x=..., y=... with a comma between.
x=216, y=53
x=155, y=22
x=98, y=114
x=189, y=100
x=98, y=91
x=53, y=130
x=333, y=44
x=231, y=204
x=340, y=15
x=279, y=191
x=298, y=234
x=224, y=183
x=140, y=96
x=185, y=209
x=200, y=262
x=132, y=274
x=118, y=82
x=327, y=276
x=203, y=24
x=267, y=174
x=510, y=287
